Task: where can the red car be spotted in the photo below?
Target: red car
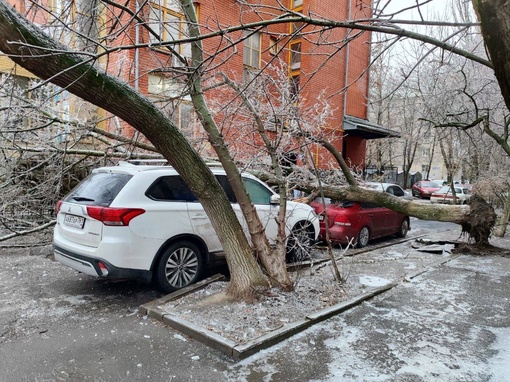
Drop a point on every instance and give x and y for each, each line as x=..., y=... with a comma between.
x=359, y=222
x=424, y=188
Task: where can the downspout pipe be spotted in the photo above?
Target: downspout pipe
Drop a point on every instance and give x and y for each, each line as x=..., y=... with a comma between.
x=137, y=50
x=347, y=55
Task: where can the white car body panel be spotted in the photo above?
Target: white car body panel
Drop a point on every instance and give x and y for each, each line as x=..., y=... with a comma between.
x=135, y=247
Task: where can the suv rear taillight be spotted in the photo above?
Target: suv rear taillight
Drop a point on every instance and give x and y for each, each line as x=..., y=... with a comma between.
x=114, y=216
x=57, y=207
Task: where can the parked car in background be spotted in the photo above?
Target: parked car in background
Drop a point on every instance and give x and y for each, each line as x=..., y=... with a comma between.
x=440, y=182
x=390, y=188
x=143, y=222
x=424, y=188
x=357, y=223
x=445, y=195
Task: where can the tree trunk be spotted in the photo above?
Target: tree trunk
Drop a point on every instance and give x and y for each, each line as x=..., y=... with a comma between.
x=500, y=229
x=29, y=47
x=495, y=24
x=476, y=219
x=274, y=265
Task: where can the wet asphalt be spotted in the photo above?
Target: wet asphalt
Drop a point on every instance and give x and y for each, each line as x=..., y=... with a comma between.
x=449, y=323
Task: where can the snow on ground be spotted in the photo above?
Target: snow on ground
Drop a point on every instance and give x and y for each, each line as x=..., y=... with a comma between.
x=449, y=324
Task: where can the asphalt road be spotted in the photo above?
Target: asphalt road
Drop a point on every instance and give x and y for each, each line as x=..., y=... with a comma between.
x=449, y=324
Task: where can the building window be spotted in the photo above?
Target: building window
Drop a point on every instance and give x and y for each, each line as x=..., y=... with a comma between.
x=296, y=28
x=164, y=86
x=295, y=56
x=273, y=45
x=251, y=56
x=294, y=88
x=59, y=7
x=169, y=95
x=424, y=168
x=24, y=88
x=296, y=4
x=169, y=24
x=167, y=87
x=182, y=115
x=62, y=12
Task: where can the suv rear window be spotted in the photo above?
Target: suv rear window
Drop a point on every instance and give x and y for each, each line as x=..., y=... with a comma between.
x=99, y=189
x=171, y=189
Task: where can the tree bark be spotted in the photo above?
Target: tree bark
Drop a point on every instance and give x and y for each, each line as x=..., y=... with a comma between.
x=500, y=228
x=29, y=47
x=275, y=266
x=494, y=18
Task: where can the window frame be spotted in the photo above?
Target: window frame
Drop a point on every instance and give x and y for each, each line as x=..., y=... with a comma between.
x=250, y=48
x=295, y=57
x=164, y=8
x=178, y=107
x=273, y=45
x=169, y=86
x=295, y=88
x=296, y=4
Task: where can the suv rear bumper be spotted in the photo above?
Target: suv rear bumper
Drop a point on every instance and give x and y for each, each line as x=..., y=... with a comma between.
x=90, y=266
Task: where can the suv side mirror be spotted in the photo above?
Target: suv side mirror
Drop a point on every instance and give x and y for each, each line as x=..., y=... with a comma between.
x=274, y=199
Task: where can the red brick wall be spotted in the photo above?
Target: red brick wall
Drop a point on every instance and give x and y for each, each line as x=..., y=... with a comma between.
x=322, y=68
x=332, y=79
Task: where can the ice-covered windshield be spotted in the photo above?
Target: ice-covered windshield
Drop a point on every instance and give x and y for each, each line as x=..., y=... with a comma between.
x=98, y=189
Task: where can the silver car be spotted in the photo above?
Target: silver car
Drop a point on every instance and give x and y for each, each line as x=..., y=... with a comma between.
x=445, y=195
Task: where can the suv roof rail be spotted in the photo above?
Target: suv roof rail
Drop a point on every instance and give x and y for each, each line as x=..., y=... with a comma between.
x=159, y=162
x=142, y=162
x=213, y=164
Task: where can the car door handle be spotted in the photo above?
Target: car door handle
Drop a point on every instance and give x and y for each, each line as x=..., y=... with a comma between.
x=199, y=216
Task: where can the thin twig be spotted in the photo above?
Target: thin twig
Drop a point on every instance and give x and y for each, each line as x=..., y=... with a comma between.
x=28, y=231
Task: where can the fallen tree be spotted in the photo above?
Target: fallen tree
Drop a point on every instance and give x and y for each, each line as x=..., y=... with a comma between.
x=476, y=219
x=76, y=72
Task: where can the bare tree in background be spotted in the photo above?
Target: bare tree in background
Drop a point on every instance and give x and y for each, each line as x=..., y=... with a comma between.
x=454, y=94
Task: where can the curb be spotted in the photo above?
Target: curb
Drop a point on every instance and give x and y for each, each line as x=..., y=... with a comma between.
x=239, y=351
x=242, y=350
x=153, y=306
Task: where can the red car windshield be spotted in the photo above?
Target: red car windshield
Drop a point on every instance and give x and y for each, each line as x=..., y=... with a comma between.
x=331, y=202
x=429, y=184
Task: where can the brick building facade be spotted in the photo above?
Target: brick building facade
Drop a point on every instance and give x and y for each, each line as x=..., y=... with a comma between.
x=328, y=64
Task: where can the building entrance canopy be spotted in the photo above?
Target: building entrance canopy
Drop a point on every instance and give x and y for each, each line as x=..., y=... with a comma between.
x=357, y=127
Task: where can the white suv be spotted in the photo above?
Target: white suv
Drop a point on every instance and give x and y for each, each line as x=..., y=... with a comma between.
x=143, y=222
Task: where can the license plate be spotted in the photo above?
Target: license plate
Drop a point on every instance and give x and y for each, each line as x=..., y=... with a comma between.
x=74, y=221
x=321, y=217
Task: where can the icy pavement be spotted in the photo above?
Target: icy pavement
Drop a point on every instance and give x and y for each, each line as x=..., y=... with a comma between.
x=448, y=324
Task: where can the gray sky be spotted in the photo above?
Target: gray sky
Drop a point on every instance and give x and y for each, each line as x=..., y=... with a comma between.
x=435, y=9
